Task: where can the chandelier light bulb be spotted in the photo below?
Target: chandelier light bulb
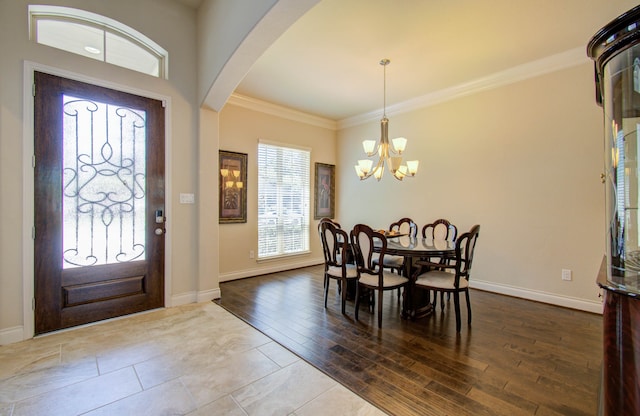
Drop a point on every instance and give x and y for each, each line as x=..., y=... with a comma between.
x=369, y=147
x=377, y=173
x=365, y=165
x=412, y=166
x=399, y=144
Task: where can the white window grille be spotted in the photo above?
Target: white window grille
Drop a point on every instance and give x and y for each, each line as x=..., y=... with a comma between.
x=96, y=37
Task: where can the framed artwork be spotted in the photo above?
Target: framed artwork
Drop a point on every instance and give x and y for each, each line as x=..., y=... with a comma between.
x=324, y=191
x=233, y=187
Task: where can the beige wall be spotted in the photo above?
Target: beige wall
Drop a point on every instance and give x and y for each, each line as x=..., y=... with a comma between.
x=523, y=161
x=150, y=17
x=226, y=20
x=240, y=129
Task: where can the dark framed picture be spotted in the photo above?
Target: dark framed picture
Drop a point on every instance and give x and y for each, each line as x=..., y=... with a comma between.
x=324, y=191
x=233, y=187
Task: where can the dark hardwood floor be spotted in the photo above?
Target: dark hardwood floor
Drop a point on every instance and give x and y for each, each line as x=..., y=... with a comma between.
x=518, y=358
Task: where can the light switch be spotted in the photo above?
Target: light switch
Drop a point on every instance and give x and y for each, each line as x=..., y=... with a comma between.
x=187, y=198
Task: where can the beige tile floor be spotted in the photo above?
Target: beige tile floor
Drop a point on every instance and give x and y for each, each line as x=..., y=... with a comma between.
x=191, y=360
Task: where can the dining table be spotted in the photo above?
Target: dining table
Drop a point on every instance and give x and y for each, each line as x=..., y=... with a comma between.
x=416, y=303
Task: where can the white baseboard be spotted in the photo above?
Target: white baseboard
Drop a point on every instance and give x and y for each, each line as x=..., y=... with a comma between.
x=538, y=296
x=11, y=335
x=266, y=269
x=208, y=295
x=195, y=297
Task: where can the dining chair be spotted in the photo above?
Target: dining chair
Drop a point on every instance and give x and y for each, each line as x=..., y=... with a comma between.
x=451, y=278
x=372, y=276
x=335, y=244
x=397, y=263
x=325, y=219
x=440, y=229
x=329, y=220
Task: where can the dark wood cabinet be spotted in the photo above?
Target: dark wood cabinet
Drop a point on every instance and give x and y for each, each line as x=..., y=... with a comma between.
x=615, y=50
x=621, y=361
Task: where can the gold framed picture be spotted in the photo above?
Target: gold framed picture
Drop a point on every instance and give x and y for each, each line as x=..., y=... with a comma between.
x=233, y=187
x=324, y=191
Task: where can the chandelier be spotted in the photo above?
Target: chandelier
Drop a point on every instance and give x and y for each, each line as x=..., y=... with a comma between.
x=389, y=153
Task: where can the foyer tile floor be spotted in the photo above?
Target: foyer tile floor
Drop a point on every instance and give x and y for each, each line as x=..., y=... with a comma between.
x=190, y=360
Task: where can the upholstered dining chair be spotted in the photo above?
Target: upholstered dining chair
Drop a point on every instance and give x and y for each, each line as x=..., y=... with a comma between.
x=335, y=244
x=440, y=229
x=372, y=276
x=331, y=221
x=402, y=226
x=451, y=278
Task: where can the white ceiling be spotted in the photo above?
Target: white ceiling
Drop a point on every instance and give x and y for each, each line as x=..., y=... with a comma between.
x=327, y=63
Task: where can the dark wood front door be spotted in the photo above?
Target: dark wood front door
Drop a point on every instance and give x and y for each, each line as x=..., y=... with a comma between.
x=99, y=203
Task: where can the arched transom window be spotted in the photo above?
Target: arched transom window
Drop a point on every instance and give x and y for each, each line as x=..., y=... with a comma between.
x=96, y=37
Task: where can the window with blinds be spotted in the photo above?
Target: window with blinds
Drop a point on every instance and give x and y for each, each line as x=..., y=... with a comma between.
x=283, y=200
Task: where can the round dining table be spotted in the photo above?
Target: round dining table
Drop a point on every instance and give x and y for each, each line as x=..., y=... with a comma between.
x=417, y=303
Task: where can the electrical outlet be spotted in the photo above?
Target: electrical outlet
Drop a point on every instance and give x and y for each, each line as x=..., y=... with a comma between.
x=566, y=274
x=251, y=255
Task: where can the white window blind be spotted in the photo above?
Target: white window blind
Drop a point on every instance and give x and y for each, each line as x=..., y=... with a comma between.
x=283, y=200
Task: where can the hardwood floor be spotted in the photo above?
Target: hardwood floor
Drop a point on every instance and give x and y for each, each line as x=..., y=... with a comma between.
x=518, y=358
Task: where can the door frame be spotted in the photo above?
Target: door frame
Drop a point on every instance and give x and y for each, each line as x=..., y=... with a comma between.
x=28, y=270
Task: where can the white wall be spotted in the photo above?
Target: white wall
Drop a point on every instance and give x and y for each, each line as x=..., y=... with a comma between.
x=523, y=161
x=150, y=17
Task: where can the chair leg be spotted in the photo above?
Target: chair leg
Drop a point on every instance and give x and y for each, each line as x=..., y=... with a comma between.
x=400, y=273
x=344, y=294
x=456, y=302
x=380, y=308
x=326, y=292
x=468, y=306
x=357, y=300
x=442, y=300
x=434, y=303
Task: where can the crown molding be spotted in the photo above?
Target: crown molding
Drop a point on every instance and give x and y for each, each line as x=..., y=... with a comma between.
x=549, y=64
x=280, y=111
x=553, y=63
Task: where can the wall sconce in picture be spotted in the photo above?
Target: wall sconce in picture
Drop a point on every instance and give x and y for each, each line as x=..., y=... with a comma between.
x=233, y=187
x=324, y=191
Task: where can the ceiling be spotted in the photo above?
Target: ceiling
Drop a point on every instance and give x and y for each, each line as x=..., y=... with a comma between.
x=327, y=63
